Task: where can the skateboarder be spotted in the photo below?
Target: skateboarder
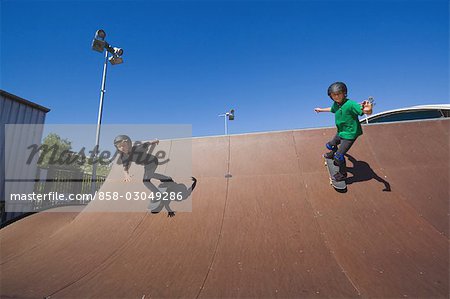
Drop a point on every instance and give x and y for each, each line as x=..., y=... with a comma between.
x=140, y=154
x=346, y=114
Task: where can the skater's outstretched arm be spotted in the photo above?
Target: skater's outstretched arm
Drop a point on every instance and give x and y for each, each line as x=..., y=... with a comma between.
x=126, y=176
x=317, y=110
x=154, y=141
x=126, y=173
x=149, y=145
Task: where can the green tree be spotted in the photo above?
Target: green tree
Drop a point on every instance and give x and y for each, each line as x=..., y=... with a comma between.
x=57, y=152
x=102, y=170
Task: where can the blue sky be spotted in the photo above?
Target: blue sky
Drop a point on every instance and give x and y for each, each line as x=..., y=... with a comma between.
x=185, y=62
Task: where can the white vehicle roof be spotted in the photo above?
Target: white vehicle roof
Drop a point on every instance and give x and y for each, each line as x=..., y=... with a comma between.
x=412, y=108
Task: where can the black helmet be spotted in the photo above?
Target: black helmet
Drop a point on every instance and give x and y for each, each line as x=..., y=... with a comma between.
x=337, y=87
x=122, y=138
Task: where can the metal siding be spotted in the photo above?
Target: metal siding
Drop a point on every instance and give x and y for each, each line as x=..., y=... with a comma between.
x=27, y=138
x=14, y=112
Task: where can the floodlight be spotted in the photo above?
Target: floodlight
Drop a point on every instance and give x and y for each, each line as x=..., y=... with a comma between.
x=118, y=51
x=98, y=43
x=231, y=114
x=100, y=34
x=115, y=59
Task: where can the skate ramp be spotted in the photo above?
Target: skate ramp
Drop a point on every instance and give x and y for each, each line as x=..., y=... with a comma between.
x=272, y=228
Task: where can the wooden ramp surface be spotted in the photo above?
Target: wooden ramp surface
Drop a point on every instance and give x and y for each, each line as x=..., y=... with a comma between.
x=275, y=228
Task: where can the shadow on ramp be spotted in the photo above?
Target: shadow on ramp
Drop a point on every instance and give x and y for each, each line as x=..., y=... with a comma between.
x=362, y=172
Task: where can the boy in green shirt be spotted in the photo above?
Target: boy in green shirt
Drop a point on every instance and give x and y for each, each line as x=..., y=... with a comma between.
x=348, y=127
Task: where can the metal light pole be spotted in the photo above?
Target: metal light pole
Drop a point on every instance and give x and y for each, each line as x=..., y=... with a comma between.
x=99, y=44
x=227, y=116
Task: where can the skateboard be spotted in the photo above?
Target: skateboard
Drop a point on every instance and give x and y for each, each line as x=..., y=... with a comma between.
x=332, y=170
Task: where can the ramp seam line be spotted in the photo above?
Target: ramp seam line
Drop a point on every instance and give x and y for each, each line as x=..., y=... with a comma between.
x=39, y=243
x=221, y=224
x=170, y=152
x=319, y=227
x=401, y=197
x=102, y=262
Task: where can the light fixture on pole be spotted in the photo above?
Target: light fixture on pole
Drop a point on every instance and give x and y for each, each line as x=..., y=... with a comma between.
x=227, y=116
x=99, y=44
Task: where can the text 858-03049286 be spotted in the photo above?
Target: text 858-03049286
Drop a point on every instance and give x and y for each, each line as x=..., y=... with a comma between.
x=155, y=196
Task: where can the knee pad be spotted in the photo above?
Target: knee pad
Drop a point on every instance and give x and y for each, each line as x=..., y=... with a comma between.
x=330, y=147
x=339, y=158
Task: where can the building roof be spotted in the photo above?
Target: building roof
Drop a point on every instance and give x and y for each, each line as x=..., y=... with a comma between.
x=23, y=101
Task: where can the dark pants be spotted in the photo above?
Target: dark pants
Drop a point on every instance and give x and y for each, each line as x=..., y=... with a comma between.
x=149, y=173
x=340, y=147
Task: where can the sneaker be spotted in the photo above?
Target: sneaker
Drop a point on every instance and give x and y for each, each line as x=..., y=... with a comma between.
x=167, y=180
x=339, y=177
x=329, y=155
x=154, y=207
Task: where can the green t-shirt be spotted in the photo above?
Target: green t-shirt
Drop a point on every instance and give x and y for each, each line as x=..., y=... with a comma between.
x=346, y=118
